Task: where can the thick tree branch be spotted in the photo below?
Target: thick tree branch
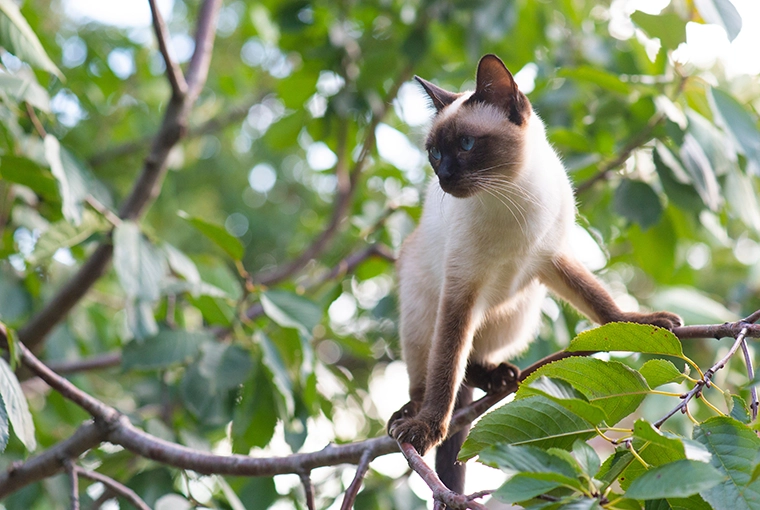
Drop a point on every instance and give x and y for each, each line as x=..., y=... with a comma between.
x=440, y=492
x=173, y=71
x=113, y=427
x=146, y=187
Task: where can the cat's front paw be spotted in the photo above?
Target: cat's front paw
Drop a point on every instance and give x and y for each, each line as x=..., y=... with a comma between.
x=665, y=320
x=408, y=410
x=420, y=433
x=493, y=379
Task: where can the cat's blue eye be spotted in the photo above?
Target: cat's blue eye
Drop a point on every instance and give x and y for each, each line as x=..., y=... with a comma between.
x=466, y=142
x=435, y=153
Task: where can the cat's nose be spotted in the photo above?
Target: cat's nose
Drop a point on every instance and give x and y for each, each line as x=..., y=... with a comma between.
x=445, y=170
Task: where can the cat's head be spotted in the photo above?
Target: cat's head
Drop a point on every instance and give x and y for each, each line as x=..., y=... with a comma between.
x=478, y=136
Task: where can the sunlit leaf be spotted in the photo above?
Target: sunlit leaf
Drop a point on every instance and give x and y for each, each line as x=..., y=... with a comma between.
x=139, y=265
x=738, y=122
x=290, y=310
x=63, y=234
x=15, y=407
x=18, y=37
x=721, y=13
x=669, y=28
x=627, y=336
x=659, y=371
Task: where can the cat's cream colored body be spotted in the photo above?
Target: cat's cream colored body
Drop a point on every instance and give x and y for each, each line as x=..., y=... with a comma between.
x=502, y=241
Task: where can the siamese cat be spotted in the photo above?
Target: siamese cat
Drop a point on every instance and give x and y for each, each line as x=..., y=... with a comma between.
x=492, y=237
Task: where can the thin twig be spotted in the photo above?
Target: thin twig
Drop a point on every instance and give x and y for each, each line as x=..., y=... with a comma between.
x=35, y=121
x=308, y=489
x=751, y=376
x=347, y=187
x=115, y=487
x=173, y=71
x=97, y=362
x=73, y=483
x=104, y=211
x=353, y=490
x=441, y=493
x=704, y=382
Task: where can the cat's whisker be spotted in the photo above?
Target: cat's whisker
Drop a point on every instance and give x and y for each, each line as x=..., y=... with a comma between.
x=501, y=198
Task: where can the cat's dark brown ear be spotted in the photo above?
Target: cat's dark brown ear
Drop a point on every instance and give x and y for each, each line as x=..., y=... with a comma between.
x=441, y=98
x=497, y=86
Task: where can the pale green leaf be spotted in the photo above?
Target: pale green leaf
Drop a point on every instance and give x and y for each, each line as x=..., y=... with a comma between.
x=660, y=371
x=25, y=88
x=282, y=382
x=522, y=488
x=721, y=13
x=627, y=336
x=290, y=310
x=669, y=28
x=18, y=37
x=4, y=426
x=16, y=407
x=63, y=234
x=587, y=458
x=739, y=123
x=701, y=172
x=139, y=265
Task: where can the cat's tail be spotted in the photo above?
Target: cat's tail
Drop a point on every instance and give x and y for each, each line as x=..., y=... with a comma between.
x=450, y=471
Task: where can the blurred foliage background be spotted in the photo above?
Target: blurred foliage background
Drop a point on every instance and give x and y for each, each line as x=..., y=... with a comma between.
x=308, y=117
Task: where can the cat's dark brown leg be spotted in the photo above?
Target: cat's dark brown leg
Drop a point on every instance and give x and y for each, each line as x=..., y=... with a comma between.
x=446, y=365
x=491, y=378
x=573, y=282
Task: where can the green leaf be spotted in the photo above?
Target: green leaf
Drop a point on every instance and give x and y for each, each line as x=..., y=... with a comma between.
x=226, y=366
x=5, y=427
x=734, y=447
x=587, y=458
x=678, y=479
x=522, y=487
x=527, y=459
x=562, y=393
x=701, y=172
x=181, y=264
x=741, y=197
x=669, y=28
x=255, y=417
x=739, y=124
x=660, y=371
x=28, y=173
x=629, y=337
x=646, y=432
x=597, y=76
x=139, y=265
x=15, y=406
x=219, y=235
x=721, y=13
x=675, y=180
x=63, y=234
x=75, y=182
x=273, y=362
x=18, y=37
x=637, y=202
x=25, y=88
x=694, y=502
x=611, y=385
x=290, y=310
x=535, y=421
x=739, y=410
x=168, y=348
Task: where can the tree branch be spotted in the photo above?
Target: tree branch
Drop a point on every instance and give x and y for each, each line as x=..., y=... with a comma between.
x=144, y=191
x=345, y=194
x=440, y=492
x=361, y=471
x=113, y=487
x=73, y=483
x=308, y=489
x=235, y=114
x=111, y=426
x=173, y=71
